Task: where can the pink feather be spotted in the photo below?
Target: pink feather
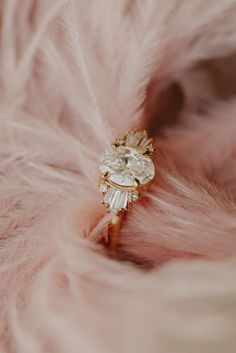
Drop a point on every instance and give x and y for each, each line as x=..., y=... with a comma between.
x=73, y=76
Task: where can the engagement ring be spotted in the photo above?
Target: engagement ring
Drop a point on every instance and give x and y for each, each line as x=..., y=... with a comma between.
x=127, y=169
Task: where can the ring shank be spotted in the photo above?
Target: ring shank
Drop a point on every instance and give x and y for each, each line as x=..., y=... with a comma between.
x=113, y=232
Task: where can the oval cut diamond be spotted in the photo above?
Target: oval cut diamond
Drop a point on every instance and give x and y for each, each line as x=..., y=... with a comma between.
x=126, y=165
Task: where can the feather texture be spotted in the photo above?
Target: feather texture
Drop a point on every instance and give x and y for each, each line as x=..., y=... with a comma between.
x=73, y=75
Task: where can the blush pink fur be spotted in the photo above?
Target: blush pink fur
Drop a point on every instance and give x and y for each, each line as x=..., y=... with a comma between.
x=73, y=75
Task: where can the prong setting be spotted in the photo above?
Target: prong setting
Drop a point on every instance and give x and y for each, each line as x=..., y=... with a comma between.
x=136, y=183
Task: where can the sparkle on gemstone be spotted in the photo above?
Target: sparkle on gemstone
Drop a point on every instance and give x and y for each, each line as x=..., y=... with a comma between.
x=116, y=200
x=125, y=164
x=120, y=141
x=138, y=138
x=133, y=195
x=103, y=187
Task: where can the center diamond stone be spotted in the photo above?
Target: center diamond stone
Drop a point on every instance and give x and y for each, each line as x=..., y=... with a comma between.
x=125, y=165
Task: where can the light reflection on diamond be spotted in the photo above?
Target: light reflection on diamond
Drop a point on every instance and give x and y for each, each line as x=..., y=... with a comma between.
x=116, y=200
x=125, y=170
x=133, y=195
x=125, y=164
x=103, y=187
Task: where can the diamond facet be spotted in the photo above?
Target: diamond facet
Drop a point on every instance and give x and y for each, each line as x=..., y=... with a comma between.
x=125, y=164
x=116, y=200
x=138, y=138
x=126, y=168
x=133, y=195
x=103, y=187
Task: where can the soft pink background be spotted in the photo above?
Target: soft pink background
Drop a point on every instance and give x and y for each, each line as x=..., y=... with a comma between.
x=74, y=75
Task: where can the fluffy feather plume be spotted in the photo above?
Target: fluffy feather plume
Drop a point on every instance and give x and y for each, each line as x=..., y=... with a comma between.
x=73, y=75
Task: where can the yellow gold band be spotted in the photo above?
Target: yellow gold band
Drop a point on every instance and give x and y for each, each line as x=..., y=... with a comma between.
x=113, y=233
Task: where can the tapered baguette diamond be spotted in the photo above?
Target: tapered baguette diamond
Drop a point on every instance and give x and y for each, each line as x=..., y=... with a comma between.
x=138, y=138
x=116, y=200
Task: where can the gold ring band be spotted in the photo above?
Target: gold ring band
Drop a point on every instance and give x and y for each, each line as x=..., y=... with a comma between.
x=113, y=232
